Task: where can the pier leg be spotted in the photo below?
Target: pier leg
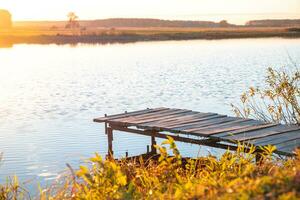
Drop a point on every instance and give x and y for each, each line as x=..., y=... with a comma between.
x=153, y=143
x=148, y=149
x=110, y=139
x=258, y=158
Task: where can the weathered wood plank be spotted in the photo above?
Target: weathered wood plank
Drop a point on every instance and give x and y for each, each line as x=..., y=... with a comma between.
x=226, y=127
x=142, y=112
x=288, y=149
x=170, y=115
x=245, y=130
x=103, y=119
x=182, y=119
x=288, y=146
x=210, y=122
x=157, y=125
x=261, y=134
x=277, y=138
x=238, y=121
x=192, y=123
x=145, y=115
x=155, y=118
x=164, y=122
x=190, y=119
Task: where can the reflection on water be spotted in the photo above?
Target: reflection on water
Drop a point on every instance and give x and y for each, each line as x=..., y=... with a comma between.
x=50, y=94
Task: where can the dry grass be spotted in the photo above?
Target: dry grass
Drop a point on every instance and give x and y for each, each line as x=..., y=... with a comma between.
x=234, y=175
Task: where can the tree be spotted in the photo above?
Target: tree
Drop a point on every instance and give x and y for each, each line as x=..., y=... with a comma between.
x=73, y=21
x=224, y=23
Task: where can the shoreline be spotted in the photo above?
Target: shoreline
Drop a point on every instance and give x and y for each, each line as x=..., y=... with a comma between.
x=131, y=36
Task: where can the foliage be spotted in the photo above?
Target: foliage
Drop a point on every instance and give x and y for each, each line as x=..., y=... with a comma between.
x=12, y=190
x=235, y=175
x=278, y=102
x=72, y=21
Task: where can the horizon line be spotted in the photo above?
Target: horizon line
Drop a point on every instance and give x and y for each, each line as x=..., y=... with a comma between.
x=94, y=19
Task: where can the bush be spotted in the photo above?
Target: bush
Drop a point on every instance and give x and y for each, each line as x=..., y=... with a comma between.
x=235, y=175
x=278, y=102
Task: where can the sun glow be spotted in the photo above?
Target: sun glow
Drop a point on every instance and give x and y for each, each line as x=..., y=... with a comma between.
x=236, y=11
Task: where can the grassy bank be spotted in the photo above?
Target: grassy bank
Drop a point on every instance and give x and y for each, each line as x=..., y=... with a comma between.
x=232, y=176
x=40, y=35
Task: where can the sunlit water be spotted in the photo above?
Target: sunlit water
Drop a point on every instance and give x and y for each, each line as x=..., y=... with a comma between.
x=50, y=94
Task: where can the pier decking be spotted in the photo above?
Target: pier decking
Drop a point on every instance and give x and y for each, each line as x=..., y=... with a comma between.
x=209, y=129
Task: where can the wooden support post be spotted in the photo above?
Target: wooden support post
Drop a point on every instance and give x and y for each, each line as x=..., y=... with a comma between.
x=258, y=157
x=153, y=143
x=110, y=140
x=105, y=125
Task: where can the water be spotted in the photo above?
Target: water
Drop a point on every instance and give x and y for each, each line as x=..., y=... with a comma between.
x=50, y=94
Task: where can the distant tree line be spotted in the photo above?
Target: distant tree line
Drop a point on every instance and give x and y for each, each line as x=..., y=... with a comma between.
x=275, y=23
x=136, y=22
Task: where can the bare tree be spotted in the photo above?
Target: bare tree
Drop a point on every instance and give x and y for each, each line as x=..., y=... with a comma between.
x=73, y=21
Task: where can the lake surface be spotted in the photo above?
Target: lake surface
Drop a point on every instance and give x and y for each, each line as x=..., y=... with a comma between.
x=50, y=94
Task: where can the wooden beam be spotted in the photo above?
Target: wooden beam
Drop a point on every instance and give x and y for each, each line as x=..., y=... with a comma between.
x=153, y=142
x=206, y=142
x=164, y=136
x=110, y=140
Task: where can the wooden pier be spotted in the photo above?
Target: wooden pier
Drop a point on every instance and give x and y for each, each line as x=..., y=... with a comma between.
x=209, y=129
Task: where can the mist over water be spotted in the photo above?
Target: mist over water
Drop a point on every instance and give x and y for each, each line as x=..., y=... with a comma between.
x=50, y=94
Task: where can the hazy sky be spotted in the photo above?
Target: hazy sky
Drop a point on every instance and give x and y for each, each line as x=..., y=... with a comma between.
x=236, y=11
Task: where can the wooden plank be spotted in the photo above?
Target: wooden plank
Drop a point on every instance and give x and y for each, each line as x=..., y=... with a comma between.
x=156, y=117
x=134, y=121
x=207, y=142
x=190, y=124
x=170, y=116
x=238, y=121
x=146, y=115
x=188, y=120
x=276, y=139
x=161, y=128
x=157, y=125
x=162, y=122
x=288, y=146
x=103, y=119
x=210, y=122
x=226, y=127
x=141, y=112
x=153, y=121
x=290, y=149
x=245, y=130
x=181, y=120
x=261, y=134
